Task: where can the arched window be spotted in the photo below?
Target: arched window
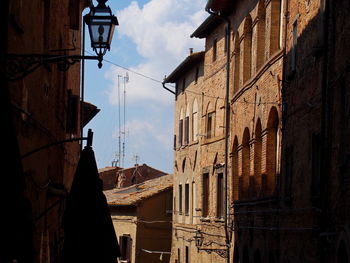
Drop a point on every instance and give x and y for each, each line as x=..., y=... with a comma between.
x=245, y=162
x=247, y=49
x=181, y=127
x=195, y=120
x=235, y=176
x=271, y=151
x=257, y=158
x=187, y=126
x=236, y=74
x=260, y=47
x=274, y=34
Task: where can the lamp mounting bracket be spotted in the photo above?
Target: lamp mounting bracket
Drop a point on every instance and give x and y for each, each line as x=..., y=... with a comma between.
x=19, y=66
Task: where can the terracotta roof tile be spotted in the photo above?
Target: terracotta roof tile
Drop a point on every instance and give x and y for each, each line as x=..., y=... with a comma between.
x=132, y=195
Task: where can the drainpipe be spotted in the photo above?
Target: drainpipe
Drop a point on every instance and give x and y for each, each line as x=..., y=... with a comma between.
x=227, y=125
x=163, y=83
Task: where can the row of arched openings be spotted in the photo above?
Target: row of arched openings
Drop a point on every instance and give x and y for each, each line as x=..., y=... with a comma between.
x=254, y=160
x=259, y=41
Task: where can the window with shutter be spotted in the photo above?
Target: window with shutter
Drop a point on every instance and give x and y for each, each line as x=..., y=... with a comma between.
x=187, y=128
x=180, y=132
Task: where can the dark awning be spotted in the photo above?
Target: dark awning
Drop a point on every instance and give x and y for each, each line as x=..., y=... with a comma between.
x=87, y=223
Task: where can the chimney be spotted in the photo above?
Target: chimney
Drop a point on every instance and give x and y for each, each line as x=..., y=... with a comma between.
x=191, y=50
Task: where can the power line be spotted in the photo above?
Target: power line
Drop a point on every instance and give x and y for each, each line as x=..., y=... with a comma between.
x=187, y=90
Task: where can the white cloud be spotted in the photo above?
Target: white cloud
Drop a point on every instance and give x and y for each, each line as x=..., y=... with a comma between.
x=161, y=31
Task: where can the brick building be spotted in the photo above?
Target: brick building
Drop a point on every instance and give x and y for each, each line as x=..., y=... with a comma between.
x=116, y=177
x=287, y=171
x=108, y=176
x=39, y=108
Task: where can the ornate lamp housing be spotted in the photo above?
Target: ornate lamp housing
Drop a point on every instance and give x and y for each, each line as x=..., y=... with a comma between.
x=101, y=23
x=198, y=239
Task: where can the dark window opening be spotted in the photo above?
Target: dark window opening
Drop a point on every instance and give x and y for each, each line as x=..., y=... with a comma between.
x=187, y=255
x=210, y=125
x=215, y=44
x=205, y=195
x=187, y=199
x=180, y=199
x=125, y=242
x=196, y=76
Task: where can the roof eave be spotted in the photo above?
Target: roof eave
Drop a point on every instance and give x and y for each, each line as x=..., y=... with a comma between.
x=184, y=65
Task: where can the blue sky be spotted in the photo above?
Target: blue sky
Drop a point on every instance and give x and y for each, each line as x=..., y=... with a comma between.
x=152, y=38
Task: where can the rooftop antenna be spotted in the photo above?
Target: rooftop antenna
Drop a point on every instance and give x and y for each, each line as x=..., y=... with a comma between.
x=126, y=80
x=136, y=159
x=119, y=131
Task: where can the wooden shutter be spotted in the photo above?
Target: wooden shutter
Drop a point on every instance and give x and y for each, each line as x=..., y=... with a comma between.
x=180, y=132
x=187, y=129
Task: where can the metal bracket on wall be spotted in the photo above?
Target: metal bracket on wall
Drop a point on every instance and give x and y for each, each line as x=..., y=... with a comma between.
x=89, y=139
x=221, y=252
x=19, y=66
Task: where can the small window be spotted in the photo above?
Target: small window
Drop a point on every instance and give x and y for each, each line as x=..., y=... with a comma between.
x=125, y=242
x=187, y=254
x=180, y=199
x=196, y=76
x=215, y=44
x=205, y=195
x=187, y=199
x=210, y=120
x=187, y=129
x=181, y=132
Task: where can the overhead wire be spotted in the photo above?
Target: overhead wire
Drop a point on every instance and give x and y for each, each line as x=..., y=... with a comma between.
x=187, y=90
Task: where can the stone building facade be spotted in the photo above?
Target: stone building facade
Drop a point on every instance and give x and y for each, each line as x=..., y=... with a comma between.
x=141, y=216
x=43, y=108
x=287, y=167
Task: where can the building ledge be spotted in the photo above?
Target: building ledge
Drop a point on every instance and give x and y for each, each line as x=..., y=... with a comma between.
x=250, y=83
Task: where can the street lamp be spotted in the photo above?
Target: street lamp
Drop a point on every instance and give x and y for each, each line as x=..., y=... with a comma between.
x=101, y=23
x=198, y=239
